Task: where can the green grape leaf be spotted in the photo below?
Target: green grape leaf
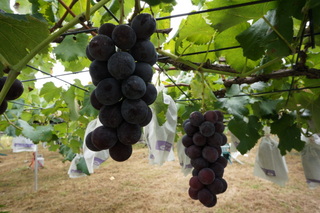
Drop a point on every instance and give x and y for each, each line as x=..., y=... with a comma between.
x=234, y=57
x=223, y=19
x=195, y=30
x=70, y=98
x=37, y=134
x=50, y=92
x=82, y=166
x=234, y=105
x=160, y=108
x=67, y=152
x=260, y=36
x=288, y=132
x=246, y=131
x=72, y=47
x=19, y=34
x=265, y=108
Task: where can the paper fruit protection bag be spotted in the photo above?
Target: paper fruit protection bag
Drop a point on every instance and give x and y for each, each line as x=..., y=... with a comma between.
x=310, y=158
x=184, y=160
x=269, y=163
x=160, y=138
x=92, y=159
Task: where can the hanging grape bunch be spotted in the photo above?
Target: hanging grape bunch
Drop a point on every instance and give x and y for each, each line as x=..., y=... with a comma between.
x=203, y=140
x=14, y=92
x=121, y=69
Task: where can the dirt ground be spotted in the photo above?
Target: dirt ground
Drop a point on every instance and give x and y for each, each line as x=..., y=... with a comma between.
x=137, y=186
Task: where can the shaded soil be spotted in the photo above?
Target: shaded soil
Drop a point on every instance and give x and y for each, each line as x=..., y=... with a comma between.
x=137, y=186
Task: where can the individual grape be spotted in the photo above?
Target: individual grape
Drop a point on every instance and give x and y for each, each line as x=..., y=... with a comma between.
x=218, y=169
x=15, y=90
x=104, y=137
x=185, y=121
x=205, y=197
x=206, y=176
x=199, y=139
x=108, y=91
x=133, y=87
x=195, y=172
x=101, y=47
x=124, y=37
x=144, y=51
x=98, y=71
x=211, y=116
x=224, y=139
x=193, y=151
x=210, y=154
x=89, y=143
x=220, y=115
x=199, y=163
x=219, y=127
x=195, y=183
x=106, y=29
x=110, y=116
x=89, y=56
x=196, y=118
x=120, y=152
x=147, y=120
x=225, y=184
x=190, y=130
x=214, y=201
x=134, y=111
x=215, y=140
x=223, y=161
x=193, y=193
x=144, y=71
x=129, y=134
x=94, y=101
x=207, y=128
x=150, y=95
x=3, y=106
x=144, y=25
x=216, y=187
x=121, y=65
x=187, y=140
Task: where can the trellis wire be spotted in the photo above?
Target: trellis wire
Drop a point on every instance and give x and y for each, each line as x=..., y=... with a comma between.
x=215, y=9
x=57, y=78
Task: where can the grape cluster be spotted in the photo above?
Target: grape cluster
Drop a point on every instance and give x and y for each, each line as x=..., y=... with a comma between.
x=202, y=141
x=121, y=69
x=14, y=92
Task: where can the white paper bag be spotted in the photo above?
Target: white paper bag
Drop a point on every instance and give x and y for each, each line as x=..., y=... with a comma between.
x=93, y=159
x=160, y=139
x=22, y=144
x=310, y=157
x=269, y=163
x=73, y=171
x=184, y=160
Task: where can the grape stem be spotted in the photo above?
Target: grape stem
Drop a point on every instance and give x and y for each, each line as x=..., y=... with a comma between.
x=15, y=69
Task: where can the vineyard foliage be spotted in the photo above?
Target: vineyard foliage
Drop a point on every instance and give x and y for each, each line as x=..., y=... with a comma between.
x=256, y=61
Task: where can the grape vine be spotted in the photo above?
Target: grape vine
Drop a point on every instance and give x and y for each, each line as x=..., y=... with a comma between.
x=260, y=69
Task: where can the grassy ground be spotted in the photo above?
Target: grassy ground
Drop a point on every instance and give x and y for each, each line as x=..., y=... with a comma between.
x=137, y=186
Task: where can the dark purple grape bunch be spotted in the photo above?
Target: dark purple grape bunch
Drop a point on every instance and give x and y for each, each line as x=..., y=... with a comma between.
x=121, y=69
x=14, y=92
x=203, y=140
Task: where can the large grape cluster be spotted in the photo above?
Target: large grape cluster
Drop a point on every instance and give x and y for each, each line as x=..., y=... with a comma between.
x=121, y=69
x=203, y=140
